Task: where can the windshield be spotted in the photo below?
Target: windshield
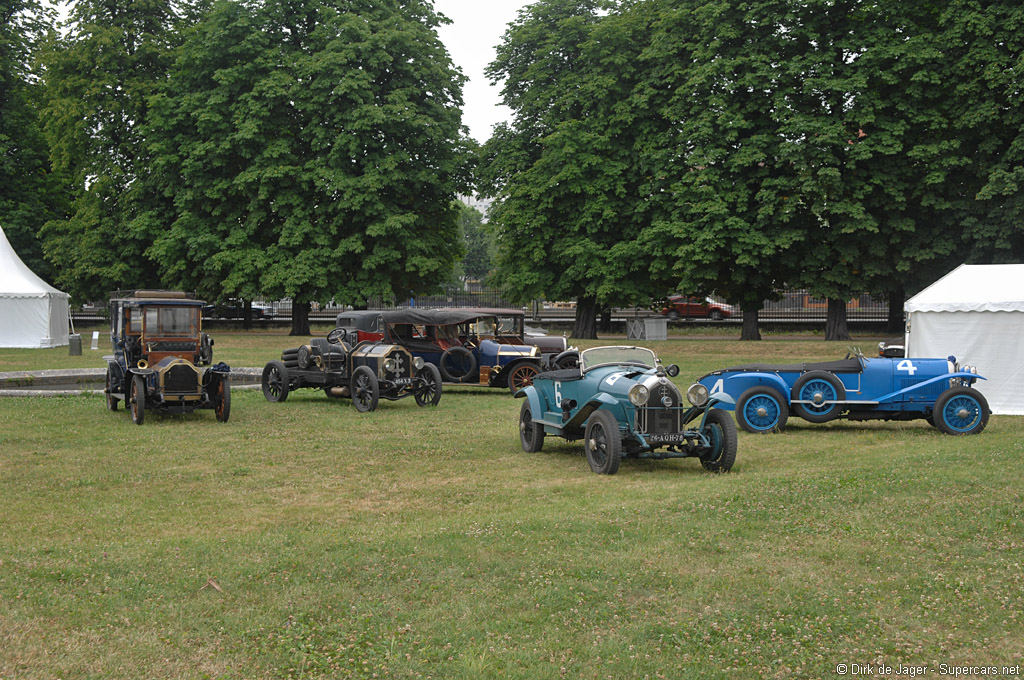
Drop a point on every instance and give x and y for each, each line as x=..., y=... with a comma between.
x=601, y=356
x=172, y=322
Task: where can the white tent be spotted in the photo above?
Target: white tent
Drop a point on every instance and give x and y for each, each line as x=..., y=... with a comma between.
x=32, y=312
x=975, y=313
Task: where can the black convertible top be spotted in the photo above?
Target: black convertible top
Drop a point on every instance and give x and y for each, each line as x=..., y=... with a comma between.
x=851, y=365
x=444, y=316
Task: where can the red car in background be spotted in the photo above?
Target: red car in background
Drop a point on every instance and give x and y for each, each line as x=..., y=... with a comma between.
x=682, y=307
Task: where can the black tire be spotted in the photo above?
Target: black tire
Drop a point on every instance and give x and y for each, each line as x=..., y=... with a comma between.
x=815, y=385
x=961, y=411
x=567, y=359
x=715, y=315
x=673, y=315
x=275, y=381
x=721, y=431
x=112, y=401
x=137, y=399
x=290, y=354
x=222, y=398
x=365, y=389
x=531, y=434
x=430, y=391
x=762, y=410
x=602, y=442
x=458, y=365
x=521, y=376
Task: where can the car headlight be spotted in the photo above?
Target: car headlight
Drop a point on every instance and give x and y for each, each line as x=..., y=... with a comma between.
x=638, y=394
x=389, y=365
x=417, y=363
x=697, y=394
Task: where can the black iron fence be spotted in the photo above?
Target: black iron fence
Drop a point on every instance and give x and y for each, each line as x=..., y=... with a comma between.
x=793, y=306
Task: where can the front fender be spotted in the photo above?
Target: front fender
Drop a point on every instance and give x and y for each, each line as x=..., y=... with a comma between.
x=532, y=396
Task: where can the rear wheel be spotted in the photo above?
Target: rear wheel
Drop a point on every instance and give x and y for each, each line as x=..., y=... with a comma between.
x=430, y=391
x=960, y=411
x=602, y=442
x=222, y=399
x=275, y=381
x=762, y=409
x=137, y=399
x=112, y=401
x=531, y=434
x=721, y=432
x=365, y=389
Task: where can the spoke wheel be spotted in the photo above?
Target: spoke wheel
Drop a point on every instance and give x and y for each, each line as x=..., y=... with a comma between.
x=365, y=389
x=761, y=410
x=112, y=401
x=521, y=376
x=961, y=411
x=822, y=389
x=275, y=381
x=222, y=399
x=430, y=389
x=721, y=432
x=138, y=400
x=602, y=442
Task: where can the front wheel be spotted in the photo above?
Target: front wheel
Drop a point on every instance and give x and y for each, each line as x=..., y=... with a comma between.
x=365, y=389
x=222, y=399
x=429, y=391
x=721, y=433
x=521, y=376
x=138, y=399
x=275, y=381
x=762, y=409
x=960, y=411
x=531, y=434
x=602, y=442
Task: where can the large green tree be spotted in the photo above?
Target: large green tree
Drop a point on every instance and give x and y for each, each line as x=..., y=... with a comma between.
x=563, y=172
x=310, y=150
x=99, y=78
x=29, y=192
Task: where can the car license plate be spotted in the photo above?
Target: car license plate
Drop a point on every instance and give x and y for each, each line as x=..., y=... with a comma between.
x=403, y=381
x=667, y=438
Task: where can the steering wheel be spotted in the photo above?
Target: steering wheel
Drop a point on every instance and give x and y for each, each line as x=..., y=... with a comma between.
x=337, y=336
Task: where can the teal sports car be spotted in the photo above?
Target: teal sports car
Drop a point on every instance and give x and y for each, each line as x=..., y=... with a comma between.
x=622, y=402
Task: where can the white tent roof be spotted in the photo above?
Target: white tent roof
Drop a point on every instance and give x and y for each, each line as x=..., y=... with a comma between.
x=16, y=279
x=973, y=288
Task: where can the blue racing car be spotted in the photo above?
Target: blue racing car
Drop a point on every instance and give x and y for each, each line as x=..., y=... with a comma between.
x=886, y=387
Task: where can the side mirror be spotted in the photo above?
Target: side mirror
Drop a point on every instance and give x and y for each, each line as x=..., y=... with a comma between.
x=672, y=371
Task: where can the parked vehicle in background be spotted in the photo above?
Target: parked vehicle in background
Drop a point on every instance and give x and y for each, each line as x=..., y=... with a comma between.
x=159, y=348
x=235, y=310
x=682, y=307
x=622, y=402
x=365, y=372
x=478, y=346
x=887, y=387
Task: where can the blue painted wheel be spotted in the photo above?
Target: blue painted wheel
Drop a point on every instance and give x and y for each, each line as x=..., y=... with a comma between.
x=960, y=411
x=762, y=409
x=821, y=390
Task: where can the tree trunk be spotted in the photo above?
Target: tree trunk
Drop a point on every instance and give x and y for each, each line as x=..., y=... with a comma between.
x=835, y=322
x=585, y=327
x=894, y=325
x=750, y=329
x=300, y=318
x=606, y=320
x=247, y=314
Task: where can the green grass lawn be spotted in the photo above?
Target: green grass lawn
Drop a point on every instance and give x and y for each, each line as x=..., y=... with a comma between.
x=305, y=540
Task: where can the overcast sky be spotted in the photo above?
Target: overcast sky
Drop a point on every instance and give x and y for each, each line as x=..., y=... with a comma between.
x=477, y=27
